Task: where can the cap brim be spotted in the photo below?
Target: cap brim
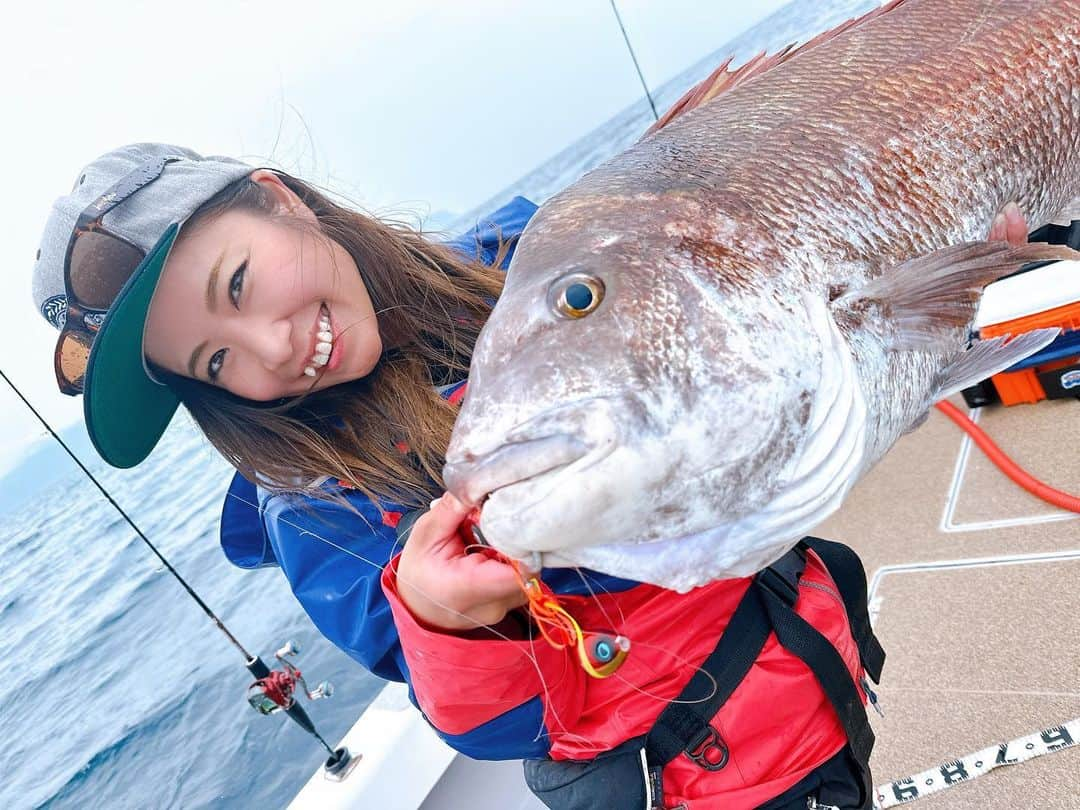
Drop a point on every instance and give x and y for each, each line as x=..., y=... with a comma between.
x=126, y=410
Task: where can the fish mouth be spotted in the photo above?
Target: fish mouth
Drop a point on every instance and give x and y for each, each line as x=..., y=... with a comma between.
x=472, y=480
x=566, y=439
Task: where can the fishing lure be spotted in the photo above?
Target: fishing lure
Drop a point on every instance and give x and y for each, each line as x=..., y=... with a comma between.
x=599, y=653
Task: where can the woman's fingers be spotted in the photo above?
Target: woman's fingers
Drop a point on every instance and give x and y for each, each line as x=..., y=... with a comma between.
x=447, y=512
x=438, y=527
x=495, y=580
x=443, y=585
x=1009, y=226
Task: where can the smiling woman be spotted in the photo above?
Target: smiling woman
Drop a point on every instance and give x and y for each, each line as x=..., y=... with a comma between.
x=254, y=300
x=307, y=340
x=304, y=338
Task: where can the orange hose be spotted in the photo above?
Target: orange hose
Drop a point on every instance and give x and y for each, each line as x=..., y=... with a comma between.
x=1017, y=473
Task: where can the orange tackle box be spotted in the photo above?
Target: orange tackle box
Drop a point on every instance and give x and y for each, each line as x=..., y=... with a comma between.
x=1043, y=295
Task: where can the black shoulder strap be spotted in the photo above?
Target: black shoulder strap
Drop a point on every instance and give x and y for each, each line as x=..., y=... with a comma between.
x=847, y=571
x=803, y=640
x=683, y=726
x=769, y=605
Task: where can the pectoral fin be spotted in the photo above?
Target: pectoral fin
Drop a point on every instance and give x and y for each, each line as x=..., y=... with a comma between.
x=917, y=304
x=986, y=358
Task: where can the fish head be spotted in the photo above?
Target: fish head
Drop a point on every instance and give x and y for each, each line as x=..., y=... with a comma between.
x=621, y=394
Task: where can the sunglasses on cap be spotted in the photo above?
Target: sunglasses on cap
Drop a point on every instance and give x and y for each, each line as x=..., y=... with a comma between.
x=96, y=266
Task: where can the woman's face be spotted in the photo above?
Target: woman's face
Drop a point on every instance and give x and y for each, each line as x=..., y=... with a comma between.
x=262, y=307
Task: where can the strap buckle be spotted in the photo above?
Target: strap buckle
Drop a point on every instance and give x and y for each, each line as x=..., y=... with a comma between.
x=708, y=750
x=782, y=577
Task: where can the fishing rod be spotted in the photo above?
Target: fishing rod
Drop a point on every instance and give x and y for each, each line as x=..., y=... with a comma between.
x=273, y=689
x=637, y=67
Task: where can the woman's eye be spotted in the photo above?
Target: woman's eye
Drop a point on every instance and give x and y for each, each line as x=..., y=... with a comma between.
x=217, y=360
x=236, y=284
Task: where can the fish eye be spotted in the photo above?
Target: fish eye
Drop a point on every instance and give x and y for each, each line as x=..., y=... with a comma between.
x=577, y=295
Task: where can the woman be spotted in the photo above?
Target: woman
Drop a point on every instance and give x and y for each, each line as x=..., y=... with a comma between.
x=227, y=316
x=322, y=352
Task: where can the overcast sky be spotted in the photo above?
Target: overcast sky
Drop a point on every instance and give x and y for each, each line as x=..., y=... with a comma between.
x=412, y=104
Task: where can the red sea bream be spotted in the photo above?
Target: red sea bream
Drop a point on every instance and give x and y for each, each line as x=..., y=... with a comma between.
x=706, y=341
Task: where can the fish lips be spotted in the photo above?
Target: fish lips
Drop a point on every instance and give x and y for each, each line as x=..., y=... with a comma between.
x=471, y=480
x=533, y=460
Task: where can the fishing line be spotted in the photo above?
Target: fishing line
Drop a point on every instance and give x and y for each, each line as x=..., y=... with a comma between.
x=637, y=67
x=304, y=532
x=529, y=652
x=596, y=599
x=677, y=659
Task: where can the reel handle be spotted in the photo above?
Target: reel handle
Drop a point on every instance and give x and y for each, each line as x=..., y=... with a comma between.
x=290, y=648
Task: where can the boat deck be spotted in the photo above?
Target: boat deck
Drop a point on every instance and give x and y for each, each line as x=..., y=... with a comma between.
x=973, y=582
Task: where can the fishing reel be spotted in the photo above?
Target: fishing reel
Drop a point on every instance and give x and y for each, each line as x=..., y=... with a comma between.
x=276, y=689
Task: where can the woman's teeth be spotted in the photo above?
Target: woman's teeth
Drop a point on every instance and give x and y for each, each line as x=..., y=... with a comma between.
x=323, y=347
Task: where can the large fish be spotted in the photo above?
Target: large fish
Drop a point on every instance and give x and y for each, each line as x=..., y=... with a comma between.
x=704, y=342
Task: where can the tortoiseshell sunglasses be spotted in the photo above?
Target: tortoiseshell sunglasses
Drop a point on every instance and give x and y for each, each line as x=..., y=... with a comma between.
x=97, y=264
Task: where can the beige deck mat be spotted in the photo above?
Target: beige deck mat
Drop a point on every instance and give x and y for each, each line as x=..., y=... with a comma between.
x=984, y=648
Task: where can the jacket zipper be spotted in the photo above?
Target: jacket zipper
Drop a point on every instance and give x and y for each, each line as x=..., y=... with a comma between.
x=864, y=683
x=823, y=588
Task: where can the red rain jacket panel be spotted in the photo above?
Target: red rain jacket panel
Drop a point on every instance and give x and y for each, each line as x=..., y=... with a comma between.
x=778, y=724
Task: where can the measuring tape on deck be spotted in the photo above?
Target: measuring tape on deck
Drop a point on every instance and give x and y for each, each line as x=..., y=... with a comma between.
x=958, y=771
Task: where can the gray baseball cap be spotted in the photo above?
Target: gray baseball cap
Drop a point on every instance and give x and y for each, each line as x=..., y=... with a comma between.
x=142, y=194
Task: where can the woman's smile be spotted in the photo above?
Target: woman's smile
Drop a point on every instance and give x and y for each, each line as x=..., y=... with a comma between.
x=323, y=341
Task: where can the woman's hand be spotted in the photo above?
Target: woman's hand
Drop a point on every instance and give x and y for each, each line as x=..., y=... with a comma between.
x=443, y=586
x=1009, y=226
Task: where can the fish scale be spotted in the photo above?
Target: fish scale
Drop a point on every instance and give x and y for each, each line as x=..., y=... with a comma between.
x=762, y=120
x=787, y=275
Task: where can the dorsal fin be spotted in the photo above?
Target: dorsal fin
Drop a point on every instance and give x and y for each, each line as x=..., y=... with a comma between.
x=722, y=80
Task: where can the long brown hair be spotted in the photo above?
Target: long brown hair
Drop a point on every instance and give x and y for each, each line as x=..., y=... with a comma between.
x=385, y=434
